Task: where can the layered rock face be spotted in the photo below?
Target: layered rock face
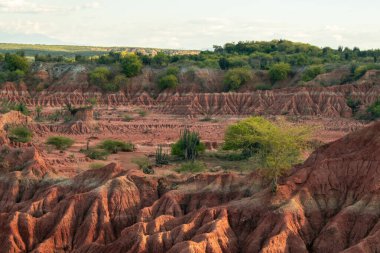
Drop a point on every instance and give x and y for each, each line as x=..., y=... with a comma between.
x=328, y=204
x=313, y=101
x=200, y=94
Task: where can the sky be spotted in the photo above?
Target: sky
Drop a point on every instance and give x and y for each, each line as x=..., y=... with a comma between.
x=190, y=24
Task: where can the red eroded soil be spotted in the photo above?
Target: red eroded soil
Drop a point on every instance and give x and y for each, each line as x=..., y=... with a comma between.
x=328, y=204
x=50, y=201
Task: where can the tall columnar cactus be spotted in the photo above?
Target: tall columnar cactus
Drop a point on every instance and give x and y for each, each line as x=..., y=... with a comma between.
x=188, y=146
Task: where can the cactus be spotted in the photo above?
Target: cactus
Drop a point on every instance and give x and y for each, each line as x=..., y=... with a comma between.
x=162, y=158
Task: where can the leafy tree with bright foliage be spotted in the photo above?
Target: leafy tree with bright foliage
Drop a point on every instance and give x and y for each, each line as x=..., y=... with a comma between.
x=274, y=149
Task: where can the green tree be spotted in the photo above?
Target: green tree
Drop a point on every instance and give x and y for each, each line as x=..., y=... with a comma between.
x=15, y=62
x=131, y=65
x=235, y=78
x=274, y=149
x=279, y=71
x=15, y=75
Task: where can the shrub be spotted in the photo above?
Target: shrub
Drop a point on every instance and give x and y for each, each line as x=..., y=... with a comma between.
x=312, y=72
x=113, y=146
x=162, y=158
x=188, y=146
x=373, y=111
x=96, y=166
x=127, y=118
x=192, y=167
x=148, y=170
x=22, y=108
x=20, y=134
x=360, y=71
x=15, y=62
x=60, y=142
x=167, y=82
x=131, y=65
x=121, y=81
x=279, y=71
x=15, y=75
x=172, y=71
x=142, y=113
x=263, y=87
x=161, y=59
x=96, y=154
x=55, y=116
x=354, y=104
x=38, y=113
x=7, y=106
x=235, y=78
x=92, y=101
x=142, y=162
x=110, y=87
x=100, y=75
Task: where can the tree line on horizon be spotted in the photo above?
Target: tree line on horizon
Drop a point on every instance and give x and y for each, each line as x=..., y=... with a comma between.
x=280, y=58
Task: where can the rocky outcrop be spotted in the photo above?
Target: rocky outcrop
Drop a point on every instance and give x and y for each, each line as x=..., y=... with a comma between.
x=328, y=204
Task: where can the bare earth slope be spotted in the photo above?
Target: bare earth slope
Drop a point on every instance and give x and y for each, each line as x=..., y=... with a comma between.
x=328, y=204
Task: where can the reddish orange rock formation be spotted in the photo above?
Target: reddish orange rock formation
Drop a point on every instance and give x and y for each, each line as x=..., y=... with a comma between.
x=328, y=204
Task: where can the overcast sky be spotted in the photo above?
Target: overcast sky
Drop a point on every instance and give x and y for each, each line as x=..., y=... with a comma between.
x=190, y=24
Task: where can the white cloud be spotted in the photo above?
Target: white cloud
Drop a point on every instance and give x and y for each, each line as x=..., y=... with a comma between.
x=21, y=6
x=86, y=6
